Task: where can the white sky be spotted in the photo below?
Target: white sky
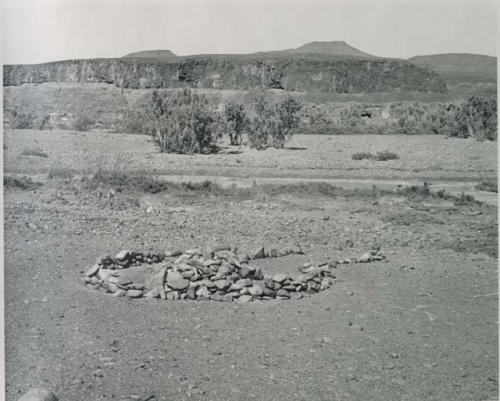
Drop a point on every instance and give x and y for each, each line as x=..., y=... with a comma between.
x=47, y=30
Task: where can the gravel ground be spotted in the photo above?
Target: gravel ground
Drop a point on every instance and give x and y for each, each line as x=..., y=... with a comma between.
x=420, y=325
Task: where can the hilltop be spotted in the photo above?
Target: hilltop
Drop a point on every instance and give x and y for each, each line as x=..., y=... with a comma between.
x=157, y=54
x=460, y=67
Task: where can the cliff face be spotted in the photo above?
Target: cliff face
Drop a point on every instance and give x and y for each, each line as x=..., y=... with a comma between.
x=297, y=73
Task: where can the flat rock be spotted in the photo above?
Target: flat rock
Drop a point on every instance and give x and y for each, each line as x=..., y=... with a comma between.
x=259, y=253
x=134, y=293
x=366, y=257
x=92, y=270
x=256, y=290
x=283, y=293
x=280, y=277
x=176, y=281
x=38, y=394
x=123, y=255
x=244, y=272
x=243, y=299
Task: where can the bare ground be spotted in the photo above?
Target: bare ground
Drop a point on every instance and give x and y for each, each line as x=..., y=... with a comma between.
x=421, y=325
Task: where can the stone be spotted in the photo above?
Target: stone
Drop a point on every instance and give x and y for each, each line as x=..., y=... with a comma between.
x=285, y=252
x=109, y=287
x=258, y=273
x=119, y=293
x=216, y=297
x=173, y=295
x=134, y=293
x=256, y=290
x=222, y=284
x=298, y=250
x=268, y=292
x=191, y=294
x=176, y=281
x=273, y=253
x=123, y=255
x=195, y=262
x=194, y=251
x=243, y=299
x=280, y=277
x=228, y=298
x=156, y=280
x=244, y=272
x=170, y=254
x=259, y=253
x=38, y=394
x=283, y=293
x=207, y=283
x=226, y=269
x=92, y=270
x=366, y=257
x=154, y=293
x=221, y=247
x=202, y=291
x=245, y=282
x=188, y=274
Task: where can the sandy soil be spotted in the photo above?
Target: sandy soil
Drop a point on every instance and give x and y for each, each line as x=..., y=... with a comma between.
x=421, y=325
x=308, y=156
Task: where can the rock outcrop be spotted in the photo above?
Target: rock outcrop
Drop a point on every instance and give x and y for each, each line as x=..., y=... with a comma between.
x=292, y=72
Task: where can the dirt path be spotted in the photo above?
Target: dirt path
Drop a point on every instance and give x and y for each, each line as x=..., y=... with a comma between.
x=455, y=188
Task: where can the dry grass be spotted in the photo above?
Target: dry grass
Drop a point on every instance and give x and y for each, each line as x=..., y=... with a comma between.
x=379, y=156
x=34, y=152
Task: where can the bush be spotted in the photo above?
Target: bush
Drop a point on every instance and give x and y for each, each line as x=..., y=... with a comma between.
x=379, y=156
x=476, y=117
x=82, y=122
x=34, y=152
x=21, y=120
x=180, y=123
x=274, y=124
x=236, y=122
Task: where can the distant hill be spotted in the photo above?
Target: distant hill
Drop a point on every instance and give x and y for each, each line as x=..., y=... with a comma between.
x=460, y=67
x=322, y=67
x=336, y=48
x=156, y=54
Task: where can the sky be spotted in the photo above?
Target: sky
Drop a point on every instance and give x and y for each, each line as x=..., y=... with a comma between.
x=37, y=31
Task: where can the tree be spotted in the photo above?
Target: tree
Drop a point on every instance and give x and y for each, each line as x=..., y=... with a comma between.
x=236, y=121
x=273, y=124
x=182, y=122
x=287, y=115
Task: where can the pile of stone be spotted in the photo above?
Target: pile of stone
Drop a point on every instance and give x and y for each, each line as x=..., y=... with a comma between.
x=218, y=274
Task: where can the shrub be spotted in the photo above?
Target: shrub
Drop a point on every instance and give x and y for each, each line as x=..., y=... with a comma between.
x=82, y=122
x=361, y=156
x=21, y=120
x=236, y=121
x=379, y=156
x=274, y=124
x=262, y=124
x=34, y=152
x=476, y=117
x=386, y=155
x=180, y=123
